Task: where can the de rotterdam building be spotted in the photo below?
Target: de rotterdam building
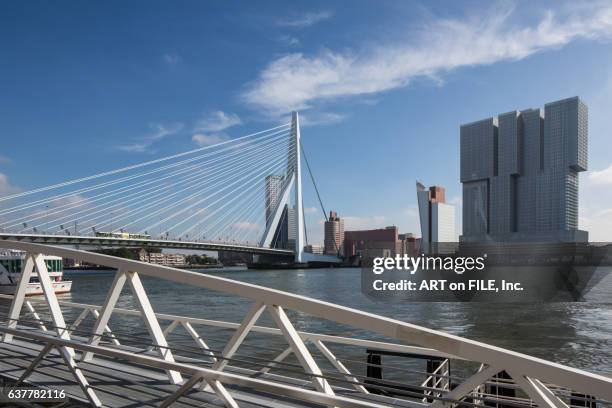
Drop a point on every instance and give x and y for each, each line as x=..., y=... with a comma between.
x=519, y=172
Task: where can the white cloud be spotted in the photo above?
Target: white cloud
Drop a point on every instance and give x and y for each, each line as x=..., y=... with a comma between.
x=133, y=147
x=297, y=81
x=289, y=41
x=206, y=140
x=595, y=209
x=601, y=177
x=217, y=121
x=161, y=131
x=171, y=59
x=158, y=132
x=320, y=118
x=6, y=188
x=306, y=20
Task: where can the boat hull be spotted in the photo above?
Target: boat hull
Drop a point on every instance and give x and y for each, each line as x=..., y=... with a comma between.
x=34, y=288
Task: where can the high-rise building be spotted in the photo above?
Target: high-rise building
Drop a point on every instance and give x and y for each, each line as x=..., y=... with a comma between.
x=334, y=234
x=436, y=216
x=519, y=172
x=291, y=227
x=274, y=189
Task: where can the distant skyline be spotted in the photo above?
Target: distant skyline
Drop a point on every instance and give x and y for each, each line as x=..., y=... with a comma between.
x=382, y=89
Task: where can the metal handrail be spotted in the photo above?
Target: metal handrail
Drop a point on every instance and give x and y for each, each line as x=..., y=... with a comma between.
x=529, y=372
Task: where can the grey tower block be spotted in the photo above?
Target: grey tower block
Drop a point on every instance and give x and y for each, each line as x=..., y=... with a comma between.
x=520, y=174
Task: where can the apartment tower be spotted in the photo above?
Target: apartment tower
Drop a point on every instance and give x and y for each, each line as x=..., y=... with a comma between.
x=519, y=172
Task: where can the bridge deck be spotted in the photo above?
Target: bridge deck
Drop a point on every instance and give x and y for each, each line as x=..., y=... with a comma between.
x=122, y=385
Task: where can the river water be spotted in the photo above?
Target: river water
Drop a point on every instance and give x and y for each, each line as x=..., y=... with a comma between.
x=576, y=334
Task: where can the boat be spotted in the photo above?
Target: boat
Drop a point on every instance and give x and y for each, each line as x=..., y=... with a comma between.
x=11, y=264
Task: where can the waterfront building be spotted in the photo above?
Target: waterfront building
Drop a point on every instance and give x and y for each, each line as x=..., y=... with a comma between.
x=437, y=218
x=334, y=234
x=373, y=243
x=315, y=249
x=519, y=172
x=273, y=190
x=291, y=227
x=161, y=258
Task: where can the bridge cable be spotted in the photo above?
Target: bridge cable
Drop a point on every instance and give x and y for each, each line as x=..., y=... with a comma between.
x=107, y=173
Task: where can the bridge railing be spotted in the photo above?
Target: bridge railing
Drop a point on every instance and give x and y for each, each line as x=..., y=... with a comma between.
x=535, y=381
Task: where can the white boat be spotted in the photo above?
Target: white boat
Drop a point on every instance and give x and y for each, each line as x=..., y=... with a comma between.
x=11, y=264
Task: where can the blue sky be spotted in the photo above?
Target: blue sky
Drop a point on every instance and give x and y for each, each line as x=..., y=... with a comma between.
x=382, y=88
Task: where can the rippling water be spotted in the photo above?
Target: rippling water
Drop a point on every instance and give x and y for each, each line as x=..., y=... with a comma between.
x=576, y=334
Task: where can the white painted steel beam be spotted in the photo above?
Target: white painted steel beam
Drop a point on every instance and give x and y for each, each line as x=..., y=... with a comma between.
x=297, y=173
x=299, y=349
x=468, y=385
x=152, y=324
x=31, y=309
x=54, y=307
x=20, y=292
x=240, y=334
x=107, y=310
x=563, y=376
x=339, y=366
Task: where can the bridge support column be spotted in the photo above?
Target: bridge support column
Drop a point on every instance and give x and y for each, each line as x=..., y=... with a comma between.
x=297, y=174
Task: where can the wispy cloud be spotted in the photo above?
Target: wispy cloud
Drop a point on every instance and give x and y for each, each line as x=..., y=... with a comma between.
x=172, y=59
x=207, y=140
x=297, y=81
x=217, y=121
x=306, y=19
x=133, y=147
x=601, y=177
x=6, y=188
x=289, y=41
x=320, y=118
x=161, y=131
x=157, y=133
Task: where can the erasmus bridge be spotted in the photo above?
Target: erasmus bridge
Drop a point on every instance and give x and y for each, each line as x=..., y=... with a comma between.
x=230, y=196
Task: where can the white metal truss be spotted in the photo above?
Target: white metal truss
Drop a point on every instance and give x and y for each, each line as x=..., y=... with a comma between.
x=146, y=311
x=531, y=375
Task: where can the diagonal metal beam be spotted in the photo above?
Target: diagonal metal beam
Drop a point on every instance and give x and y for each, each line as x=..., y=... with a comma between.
x=339, y=366
x=230, y=349
x=79, y=319
x=107, y=329
x=66, y=354
x=107, y=310
x=240, y=334
x=31, y=309
x=299, y=348
x=146, y=310
x=537, y=391
x=54, y=307
x=283, y=355
x=20, y=291
x=188, y=385
x=198, y=339
x=34, y=364
x=467, y=386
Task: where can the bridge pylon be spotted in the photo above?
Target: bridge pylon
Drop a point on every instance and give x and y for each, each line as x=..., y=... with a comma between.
x=292, y=181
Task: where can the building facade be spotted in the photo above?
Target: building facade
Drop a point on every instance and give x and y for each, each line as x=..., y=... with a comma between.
x=273, y=191
x=160, y=258
x=373, y=243
x=334, y=234
x=437, y=218
x=519, y=172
